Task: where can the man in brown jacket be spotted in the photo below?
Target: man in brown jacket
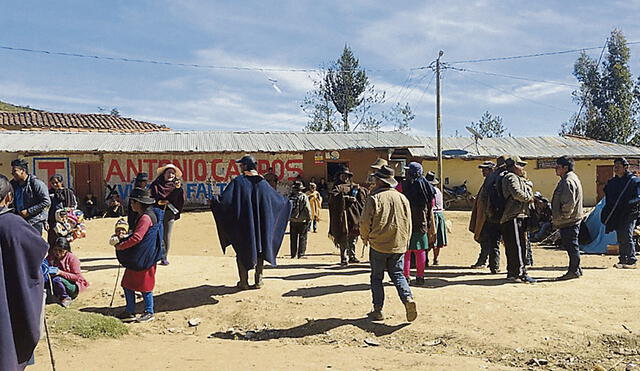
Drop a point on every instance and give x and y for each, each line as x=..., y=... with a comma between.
x=346, y=202
x=489, y=248
x=567, y=213
x=518, y=194
x=386, y=226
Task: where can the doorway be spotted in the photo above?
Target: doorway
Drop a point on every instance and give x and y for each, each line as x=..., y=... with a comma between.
x=88, y=179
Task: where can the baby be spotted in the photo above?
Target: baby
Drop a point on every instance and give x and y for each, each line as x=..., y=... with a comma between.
x=121, y=230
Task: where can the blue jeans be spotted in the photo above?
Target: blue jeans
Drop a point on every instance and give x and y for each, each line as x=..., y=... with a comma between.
x=625, y=242
x=393, y=264
x=130, y=297
x=569, y=240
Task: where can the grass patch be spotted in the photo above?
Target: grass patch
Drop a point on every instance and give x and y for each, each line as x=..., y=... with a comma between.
x=86, y=325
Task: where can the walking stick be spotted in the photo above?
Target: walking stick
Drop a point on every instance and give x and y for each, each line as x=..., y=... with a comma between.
x=46, y=330
x=115, y=285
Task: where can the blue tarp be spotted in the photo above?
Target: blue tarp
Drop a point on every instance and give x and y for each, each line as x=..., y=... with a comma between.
x=600, y=239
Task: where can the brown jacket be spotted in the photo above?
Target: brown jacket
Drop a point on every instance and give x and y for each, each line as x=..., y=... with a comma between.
x=386, y=221
x=566, y=204
x=346, y=203
x=478, y=216
x=518, y=193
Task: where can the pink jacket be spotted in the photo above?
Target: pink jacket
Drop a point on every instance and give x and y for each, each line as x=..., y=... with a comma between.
x=70, y=264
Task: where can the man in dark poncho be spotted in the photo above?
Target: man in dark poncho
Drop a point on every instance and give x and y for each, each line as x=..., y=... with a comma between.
x=252, y=217
x=21, y=252
x=346, y=203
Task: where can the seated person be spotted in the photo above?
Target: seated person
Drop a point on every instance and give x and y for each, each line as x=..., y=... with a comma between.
x=543, y=211
x=65, y=274
x=90, y=206
x=114, y=207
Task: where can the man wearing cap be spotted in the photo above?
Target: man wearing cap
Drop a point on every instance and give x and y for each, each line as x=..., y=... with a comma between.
x=566, y=209
x=420, y=194
x=31, y=197
x=346, y=203
x=518, y=194
x=485, y=232
x=621, y=209
x=300, y=220
x=386, y=226
x=252, y=217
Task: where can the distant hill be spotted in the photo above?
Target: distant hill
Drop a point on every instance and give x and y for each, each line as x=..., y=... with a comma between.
x=7, y=107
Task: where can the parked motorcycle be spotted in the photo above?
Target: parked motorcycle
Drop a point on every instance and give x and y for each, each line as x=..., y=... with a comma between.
x=457, y=193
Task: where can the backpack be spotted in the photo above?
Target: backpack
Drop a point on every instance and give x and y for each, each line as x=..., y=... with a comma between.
x=497, y=201
x=298, y=210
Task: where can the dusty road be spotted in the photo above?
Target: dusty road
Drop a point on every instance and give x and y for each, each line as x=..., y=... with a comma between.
x=311, y=313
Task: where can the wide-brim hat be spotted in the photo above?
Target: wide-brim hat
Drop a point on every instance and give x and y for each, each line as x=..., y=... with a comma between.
x=380, y=162
x=297, y=186
x=487, y=165
x=141, y=195
x=142, y=177
x=164, y=168
x=247, y=160
x=431, y=178
x=515, y=160
x=344, y=170
x=386, y=174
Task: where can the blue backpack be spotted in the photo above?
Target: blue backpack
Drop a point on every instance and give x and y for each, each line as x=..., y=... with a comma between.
x=147, y=252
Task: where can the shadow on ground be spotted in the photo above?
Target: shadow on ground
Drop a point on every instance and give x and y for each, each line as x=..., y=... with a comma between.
x=311, y=276
x=99, y=267
x=171, y=301
x=312, y=292
x=316, y=327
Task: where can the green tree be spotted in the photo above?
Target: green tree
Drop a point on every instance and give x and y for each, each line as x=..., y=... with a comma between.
x=321, y=112
x=489, y=126
x=400, y=116
x=607, y=96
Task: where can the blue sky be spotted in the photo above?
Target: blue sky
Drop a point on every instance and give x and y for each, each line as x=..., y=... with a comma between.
x=388, y=38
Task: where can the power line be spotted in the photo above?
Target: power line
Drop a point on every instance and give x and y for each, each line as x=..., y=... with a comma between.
x=515, y=95
x=534, y=55
x=513, y=77
x=178, y=64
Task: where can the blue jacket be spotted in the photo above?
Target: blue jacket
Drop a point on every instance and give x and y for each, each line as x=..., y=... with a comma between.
x=35, y=198
x=21, y=288
x=628, y=206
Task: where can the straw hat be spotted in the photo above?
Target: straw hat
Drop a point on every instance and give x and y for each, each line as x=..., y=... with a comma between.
x=380, y=162
x=164, y=168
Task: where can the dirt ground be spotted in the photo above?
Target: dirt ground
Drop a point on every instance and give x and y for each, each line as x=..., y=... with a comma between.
x=311, y=314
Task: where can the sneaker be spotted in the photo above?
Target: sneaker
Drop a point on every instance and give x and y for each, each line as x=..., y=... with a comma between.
x=376, y=314
x=411, y=310
x=419, y=281
x=66, y=302
x=630, y=266
x=514, y=279
x=494, y=270
x=344, y=264
x=164, y=262
x=126, y=317
x=259, y=284
x=568, y=276
x=527, y=279
x=478, y=266
x=242, y=285
x=618, y=265
x=436, y=262
x=353, y=260
x=146, y=317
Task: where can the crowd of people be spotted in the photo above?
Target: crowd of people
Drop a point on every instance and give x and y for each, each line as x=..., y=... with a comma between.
x=398, y=221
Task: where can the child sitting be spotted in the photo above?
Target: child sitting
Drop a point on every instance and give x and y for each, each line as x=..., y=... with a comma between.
x=120, y=233
x=65, y=274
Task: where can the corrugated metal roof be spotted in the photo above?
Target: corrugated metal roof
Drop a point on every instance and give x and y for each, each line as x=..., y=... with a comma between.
x=528, y=147
x=200, y=141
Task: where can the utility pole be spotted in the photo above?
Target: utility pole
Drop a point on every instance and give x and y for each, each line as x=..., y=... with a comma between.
x=438, y=122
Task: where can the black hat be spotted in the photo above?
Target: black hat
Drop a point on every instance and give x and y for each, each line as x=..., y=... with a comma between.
x=344, y=170
x=141, y=195
x=248, y=160
x=297, y=186
x=431, y=178
x=142, y=177
x=621, y=160
x=386, y=174
x=21, y=164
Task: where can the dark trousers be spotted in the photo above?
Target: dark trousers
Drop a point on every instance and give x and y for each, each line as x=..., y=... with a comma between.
x=569, y=240
x=627, y=250
x=298, y=233
x=514, y=236
x=39, y=226
x=490, y=245
x=348, y=249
